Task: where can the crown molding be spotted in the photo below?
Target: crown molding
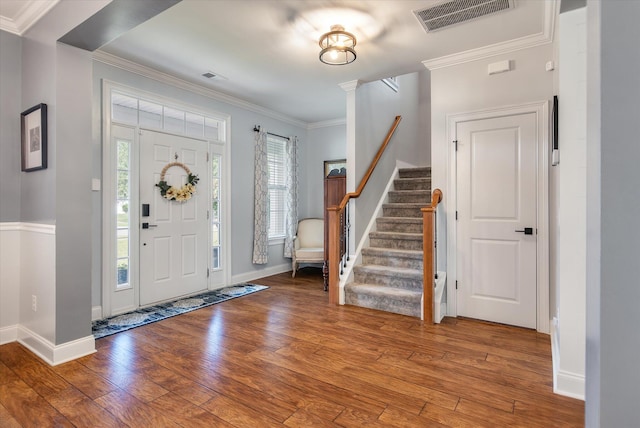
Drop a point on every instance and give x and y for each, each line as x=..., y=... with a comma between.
x=28, y=15
x=352, y=85
x=551, y=9
x=327, y=123
x=141, y=70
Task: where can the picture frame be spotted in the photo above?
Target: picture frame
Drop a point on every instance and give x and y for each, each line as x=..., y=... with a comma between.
x=34, y=138
x=335, y=167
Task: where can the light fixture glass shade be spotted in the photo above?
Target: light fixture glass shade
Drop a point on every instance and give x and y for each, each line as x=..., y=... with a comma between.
x=337, y=46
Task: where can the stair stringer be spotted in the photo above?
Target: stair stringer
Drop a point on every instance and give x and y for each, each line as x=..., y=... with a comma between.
x=356, y=259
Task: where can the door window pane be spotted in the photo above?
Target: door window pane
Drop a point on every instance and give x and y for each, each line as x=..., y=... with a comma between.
x=124, y=109
x=123, y=223
x=215, y=211
x=150, y=115
x=195, y=124
x=174, y=120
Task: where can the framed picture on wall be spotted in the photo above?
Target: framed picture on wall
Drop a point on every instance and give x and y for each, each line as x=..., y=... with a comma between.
x=34, y=138
x=335, y=167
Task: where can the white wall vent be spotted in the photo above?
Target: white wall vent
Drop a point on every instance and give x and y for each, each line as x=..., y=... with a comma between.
x=452, y=12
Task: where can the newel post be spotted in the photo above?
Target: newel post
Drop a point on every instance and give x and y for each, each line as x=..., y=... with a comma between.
x=334, y=253
x=428, y=274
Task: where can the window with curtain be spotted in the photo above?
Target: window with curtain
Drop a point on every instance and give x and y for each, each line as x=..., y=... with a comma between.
x=277, y=163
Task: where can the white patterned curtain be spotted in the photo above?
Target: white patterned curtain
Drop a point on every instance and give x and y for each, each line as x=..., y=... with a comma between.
x=291, y=220
x=261, y=201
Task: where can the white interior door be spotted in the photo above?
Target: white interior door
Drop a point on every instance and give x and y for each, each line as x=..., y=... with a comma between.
x=496, y=202
x=174, y=248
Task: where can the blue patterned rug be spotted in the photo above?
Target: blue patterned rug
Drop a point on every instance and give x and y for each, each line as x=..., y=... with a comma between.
x=122, y=322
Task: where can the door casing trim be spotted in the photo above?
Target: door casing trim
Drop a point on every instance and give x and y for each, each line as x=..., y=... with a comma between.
x=108, y=246
x=541, y=110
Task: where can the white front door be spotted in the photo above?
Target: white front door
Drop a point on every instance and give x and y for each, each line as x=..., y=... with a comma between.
x=174, y=248
x=496, y=206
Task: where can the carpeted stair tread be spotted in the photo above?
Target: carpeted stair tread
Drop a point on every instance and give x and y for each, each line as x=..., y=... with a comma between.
x=390, y=271
x=417, y=205
x=396, y=300
x=380, y=290
x=396, y=235
x=412, y=184
x=405, y=220
x=392, y=277
x=409, y=196
x=399, y=224
x=415, y=172
x=392, y=252
x=393, y=257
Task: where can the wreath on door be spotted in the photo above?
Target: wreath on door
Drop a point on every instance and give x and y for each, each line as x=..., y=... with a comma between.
x=173, y=193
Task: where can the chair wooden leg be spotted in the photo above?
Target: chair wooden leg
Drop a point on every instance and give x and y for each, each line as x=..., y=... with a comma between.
x=293, y=263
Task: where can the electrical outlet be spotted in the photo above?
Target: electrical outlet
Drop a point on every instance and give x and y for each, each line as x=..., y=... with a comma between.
x=34, y=303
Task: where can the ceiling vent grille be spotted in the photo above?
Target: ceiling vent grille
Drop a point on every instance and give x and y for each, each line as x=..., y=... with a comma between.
x=457, y=11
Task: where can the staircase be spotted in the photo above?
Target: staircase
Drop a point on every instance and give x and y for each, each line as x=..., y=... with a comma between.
x=390, y=277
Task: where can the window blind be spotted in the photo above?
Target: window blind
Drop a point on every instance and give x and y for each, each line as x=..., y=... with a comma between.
x=277, y=160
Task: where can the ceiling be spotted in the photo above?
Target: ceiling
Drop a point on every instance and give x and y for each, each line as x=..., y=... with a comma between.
x=263, y=57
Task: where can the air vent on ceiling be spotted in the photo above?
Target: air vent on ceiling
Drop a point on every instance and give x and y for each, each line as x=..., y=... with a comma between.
x=453, y=12
x=213, y=76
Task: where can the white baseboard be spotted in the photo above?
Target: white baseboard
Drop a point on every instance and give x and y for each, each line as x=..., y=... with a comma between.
x=569, y=384
x=96, y=313
x=250, y=276
x=56, y=354
x=564, y=382
x=8, y=334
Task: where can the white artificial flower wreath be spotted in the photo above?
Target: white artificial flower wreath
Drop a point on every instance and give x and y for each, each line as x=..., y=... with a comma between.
x=172, y=193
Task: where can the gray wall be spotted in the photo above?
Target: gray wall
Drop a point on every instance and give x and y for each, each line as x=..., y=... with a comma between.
x=326, y=143
x=376, y=107
x=11, y=90
x=38, y=188
x=242, y=153
x=613, y=293
x=73, y=197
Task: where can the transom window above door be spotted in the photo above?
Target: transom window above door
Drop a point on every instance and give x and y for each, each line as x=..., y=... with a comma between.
x=130, y=110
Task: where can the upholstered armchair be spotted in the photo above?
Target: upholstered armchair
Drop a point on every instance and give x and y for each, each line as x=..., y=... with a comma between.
x=308, y=243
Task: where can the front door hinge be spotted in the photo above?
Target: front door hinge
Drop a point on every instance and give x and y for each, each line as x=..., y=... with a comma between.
x=456, y=284
x=456, y=215
x=207, y=214
x=207, y=156
x=207, y=272
x=456, y=143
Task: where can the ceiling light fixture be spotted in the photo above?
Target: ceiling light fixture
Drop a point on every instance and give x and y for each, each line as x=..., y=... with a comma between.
x=337, y=46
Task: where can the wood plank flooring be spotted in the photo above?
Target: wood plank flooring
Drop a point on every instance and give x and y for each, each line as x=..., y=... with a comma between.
x=286, y=357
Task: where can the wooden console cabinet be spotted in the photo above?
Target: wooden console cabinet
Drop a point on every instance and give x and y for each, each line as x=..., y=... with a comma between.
x=335, y=187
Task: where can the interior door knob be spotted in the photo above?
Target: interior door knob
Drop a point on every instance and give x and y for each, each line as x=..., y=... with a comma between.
x=526, y=230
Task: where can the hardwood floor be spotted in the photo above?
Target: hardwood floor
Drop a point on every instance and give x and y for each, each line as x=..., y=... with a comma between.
x=284, y=356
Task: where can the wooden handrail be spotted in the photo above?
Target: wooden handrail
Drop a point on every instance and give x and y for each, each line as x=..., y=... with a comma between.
x=373, y=165
x=335, y=212
x=428, y=269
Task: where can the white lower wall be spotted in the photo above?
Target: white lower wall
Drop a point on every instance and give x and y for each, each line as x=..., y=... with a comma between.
x=9, y=281
x=28, y=269
x=37, y=278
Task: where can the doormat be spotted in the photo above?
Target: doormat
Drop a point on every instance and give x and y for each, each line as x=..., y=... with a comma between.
x=143, y=316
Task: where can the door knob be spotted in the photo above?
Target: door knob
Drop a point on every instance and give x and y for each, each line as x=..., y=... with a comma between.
x=147, y=225
x=526, y=231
